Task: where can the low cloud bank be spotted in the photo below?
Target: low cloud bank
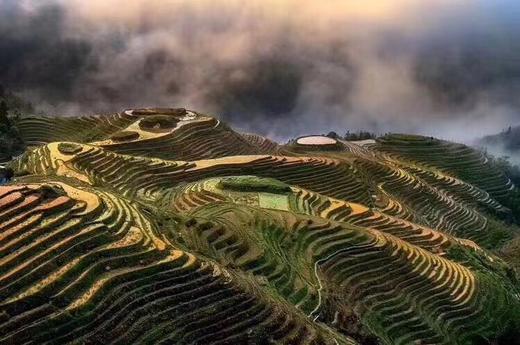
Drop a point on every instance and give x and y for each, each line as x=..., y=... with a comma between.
x=281, y=68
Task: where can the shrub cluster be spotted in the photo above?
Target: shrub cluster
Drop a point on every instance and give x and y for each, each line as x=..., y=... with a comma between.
x=125, y=136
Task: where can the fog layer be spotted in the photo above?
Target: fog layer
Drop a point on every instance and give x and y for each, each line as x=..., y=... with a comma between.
x=281, y=68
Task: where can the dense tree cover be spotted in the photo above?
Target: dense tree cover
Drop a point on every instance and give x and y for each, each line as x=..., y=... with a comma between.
x=17, y=105
x=359, y=135
x=508, y=139
x=11, y=109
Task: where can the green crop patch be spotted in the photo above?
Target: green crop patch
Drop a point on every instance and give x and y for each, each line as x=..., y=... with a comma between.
x=254, y=184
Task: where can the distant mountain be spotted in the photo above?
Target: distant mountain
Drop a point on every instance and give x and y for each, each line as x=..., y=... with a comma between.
x=506, y=142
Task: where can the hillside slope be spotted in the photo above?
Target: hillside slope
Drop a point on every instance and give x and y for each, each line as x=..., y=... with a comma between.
x=508, y=140
x=165, y=226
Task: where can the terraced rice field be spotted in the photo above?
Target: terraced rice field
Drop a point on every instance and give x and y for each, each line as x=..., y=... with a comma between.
x=165, y=226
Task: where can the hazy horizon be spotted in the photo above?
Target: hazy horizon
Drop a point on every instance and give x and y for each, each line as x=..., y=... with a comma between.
x=281, y=68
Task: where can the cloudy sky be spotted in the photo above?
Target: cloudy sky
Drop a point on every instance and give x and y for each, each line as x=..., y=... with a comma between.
x=449, y=68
